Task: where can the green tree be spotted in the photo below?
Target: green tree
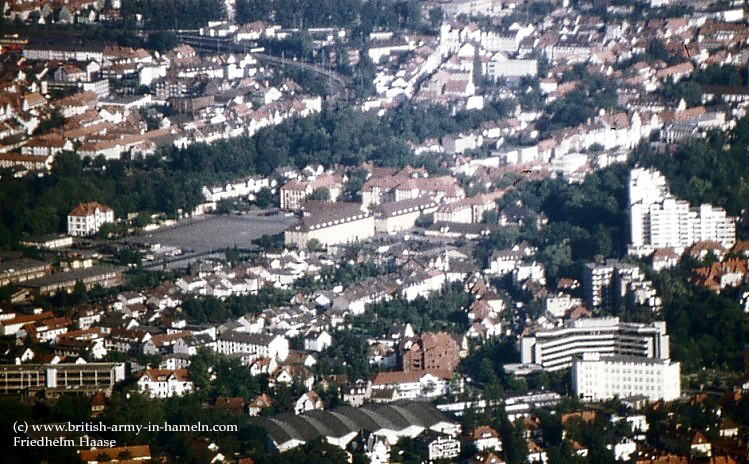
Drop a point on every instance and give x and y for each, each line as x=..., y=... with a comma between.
x=320, y=193
x=264, y=198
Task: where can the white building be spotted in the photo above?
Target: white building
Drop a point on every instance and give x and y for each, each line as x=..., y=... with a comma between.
x=256, y=345
x=444, y=447
x=498, y=67
x=486, y=438
x=599, y=378
x=555, y=349
x=410, y=385
x=317, y=341
x=336, y=223
x=87, y=218
x=165, y=383
x=660, y=220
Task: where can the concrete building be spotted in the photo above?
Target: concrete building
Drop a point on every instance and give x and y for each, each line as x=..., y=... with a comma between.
x=606, y=285
x=599, y=378
x=443, y=447
x=430, y=352
x=332, y=224
x=20, y=270
x=499, y=68
x=659, y=220
x=87, y=218
x=56, y=379
x=469, y=210
x=555, y=349
x=104, y=275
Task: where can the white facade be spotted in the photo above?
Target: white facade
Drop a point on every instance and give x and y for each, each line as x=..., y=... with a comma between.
x=88, y=218
x=555, y=349
x=496, y=69
x=256, y=345
x=317, y=341
x=599, y=378
x=164, y=384
x=336, y=231
x=444, y=447
x=660, y=220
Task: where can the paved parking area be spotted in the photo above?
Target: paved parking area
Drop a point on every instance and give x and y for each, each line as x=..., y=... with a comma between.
x=214, y=232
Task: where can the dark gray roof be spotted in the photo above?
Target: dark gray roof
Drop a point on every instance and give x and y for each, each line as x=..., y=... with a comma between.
x=396, y=416
x=22, y=264
x=71, y=276
x=250, y=338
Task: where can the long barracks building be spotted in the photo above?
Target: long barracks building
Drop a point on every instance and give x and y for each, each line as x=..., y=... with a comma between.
x=555, y=349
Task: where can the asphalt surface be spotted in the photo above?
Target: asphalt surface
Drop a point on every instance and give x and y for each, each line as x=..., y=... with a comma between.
x=216, y=232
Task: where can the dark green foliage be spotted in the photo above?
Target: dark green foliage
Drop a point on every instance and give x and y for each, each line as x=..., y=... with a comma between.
x=229, y=376
x=585, y=220
x=349, y=354
x=705, y=328
x=594, y=92
x=361, y=16
x=161, y=41
x=173, y=14
x=443, y=310
x=315, y=452
x=321, y=194
x=171, y=180
x=344, y=274
x=705, y=171
x=210, y=309
x=264, y=198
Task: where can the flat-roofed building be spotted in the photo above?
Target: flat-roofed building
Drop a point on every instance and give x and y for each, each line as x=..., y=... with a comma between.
x=55, y=379
x=20, y=270
x=555, y=349
x=598, y=378
x=104, y=275
x=49, y=241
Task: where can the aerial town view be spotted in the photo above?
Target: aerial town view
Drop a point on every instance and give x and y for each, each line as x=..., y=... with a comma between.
x=374, y=231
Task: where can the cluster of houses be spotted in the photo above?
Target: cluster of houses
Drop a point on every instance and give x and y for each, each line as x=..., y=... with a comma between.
x=210, y=98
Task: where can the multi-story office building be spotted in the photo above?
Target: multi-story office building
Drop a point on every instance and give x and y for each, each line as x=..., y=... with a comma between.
x=55, y=379
x=659, y=220
x=599, y=378
x=555, y=349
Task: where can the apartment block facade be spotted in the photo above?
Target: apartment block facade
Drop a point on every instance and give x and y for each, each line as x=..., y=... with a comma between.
x=555, y=349
x=597, y=378
x=659, y=220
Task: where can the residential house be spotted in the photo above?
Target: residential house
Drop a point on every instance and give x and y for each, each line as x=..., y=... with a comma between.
x=309, y=401
x=87, y=218
x=165, y=383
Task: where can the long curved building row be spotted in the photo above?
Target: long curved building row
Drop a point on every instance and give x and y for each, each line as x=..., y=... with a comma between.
x=341, y=425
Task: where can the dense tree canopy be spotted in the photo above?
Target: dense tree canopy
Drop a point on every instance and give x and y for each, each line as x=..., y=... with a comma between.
x=171, y=180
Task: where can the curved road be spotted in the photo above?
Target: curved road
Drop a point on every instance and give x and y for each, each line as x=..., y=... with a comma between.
x=338, y=82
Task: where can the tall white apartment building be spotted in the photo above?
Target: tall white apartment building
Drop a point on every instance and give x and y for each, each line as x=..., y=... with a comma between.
x=598, y=378
x=555, y=349
x=659, y=220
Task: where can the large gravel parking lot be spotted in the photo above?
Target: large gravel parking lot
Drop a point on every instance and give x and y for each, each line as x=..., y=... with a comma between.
x=215, y=232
